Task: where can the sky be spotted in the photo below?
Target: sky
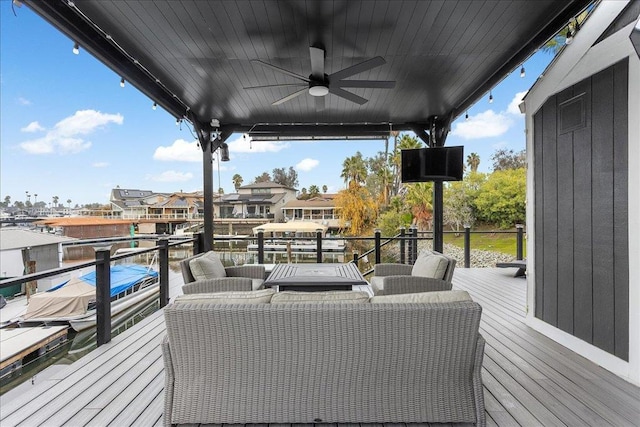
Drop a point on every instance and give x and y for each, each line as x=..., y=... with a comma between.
x=68, y=129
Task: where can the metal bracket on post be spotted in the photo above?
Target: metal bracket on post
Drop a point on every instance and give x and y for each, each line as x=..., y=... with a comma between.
x=103, y=295
x=164, y=271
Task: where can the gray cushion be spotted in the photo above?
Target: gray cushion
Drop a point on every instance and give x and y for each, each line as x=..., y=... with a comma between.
x=256, y=284
x=228, y=297
x=430, y=264
x=208, y=266
x=324, y=297
x=423, y=297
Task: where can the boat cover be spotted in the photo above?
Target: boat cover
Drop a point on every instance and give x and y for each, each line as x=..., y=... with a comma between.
x=291, y=226
x=72, y=297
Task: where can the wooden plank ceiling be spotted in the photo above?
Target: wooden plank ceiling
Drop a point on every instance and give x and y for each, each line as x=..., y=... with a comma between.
x=196, y=58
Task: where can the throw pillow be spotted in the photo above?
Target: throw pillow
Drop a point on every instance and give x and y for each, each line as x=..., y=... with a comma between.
x=208, y=266
x=228, y=297
x=430, y=264
x=324, y=297
x=423, y=297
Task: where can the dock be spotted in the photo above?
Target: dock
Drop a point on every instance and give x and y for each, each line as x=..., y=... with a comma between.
x=18, y=343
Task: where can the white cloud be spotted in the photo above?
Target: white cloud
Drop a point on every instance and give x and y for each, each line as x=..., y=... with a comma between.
x=64, y=137
x=171, y=176
x=32, y=127
x=179, y=151
x=483, y=125
x=23, y=101
x=513, y=105
x=100, y=164
x=246, y=145
x=307, y=164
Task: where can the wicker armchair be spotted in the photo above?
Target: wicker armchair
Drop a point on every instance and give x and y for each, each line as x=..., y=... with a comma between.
x=432, y=271
x=235, y=278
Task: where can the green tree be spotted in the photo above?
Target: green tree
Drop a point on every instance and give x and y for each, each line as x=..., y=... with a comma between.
x=457, y=210
x=354, y=169
x=237, y=181
x=501, y=199
x=265, y=177
x=419, y=199
x=303, y=194
x=55, y=201
x=473, y=161
x=395, y=217
x=69, y=203
x=380, y=180
x=324, y=189
x=7, y=202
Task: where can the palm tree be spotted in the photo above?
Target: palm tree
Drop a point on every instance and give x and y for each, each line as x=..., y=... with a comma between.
x=473, y=161
x=354, y=169
x=559, y=40
x=237, y=181
x=406, y=143
x=325, y=189
x=55, y=201
x=419, y=198
x=69, y=203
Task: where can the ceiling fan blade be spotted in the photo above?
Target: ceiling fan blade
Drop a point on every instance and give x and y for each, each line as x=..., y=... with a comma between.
x=288, y=97
x=320, y=100
x=375, y=84
x=282, y=70
x=278, y=85
x=358, y=68
x=317, y=62
x=347, y=95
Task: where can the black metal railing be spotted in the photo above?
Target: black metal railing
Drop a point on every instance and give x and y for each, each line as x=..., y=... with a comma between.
x=407, y=240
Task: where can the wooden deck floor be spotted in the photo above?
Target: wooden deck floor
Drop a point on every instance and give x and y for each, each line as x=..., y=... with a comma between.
x=529, y=380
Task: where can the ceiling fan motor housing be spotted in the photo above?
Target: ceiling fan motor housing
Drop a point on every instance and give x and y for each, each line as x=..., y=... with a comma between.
x=317, y=88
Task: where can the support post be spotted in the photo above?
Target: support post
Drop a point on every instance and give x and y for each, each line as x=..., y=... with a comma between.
x=163, y=261
x=103, y=295
x=319, y=246
x=467, y=246
x=519, y=242
x=198, y=244
x=402, y=246
x=260, y=246
x=377, y=245
x=438, y=229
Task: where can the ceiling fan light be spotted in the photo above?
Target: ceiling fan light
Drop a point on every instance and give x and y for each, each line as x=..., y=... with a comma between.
x=318, y=90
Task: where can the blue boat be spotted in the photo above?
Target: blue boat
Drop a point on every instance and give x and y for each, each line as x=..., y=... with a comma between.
x=73, y=301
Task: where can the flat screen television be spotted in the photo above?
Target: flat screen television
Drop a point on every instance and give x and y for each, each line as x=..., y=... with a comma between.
x=432, y=164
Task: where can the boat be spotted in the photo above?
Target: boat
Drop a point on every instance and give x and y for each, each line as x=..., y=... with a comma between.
x=294, y=236
x=73, y=301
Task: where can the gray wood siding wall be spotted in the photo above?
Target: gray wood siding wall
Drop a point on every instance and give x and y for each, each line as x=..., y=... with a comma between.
x=581, y=217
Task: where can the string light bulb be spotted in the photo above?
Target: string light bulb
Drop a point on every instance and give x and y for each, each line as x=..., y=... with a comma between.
x=522, y=73
x=154, y=106
x=76, y=49
x=122, y=82
x=466, y=117
x=177, y=122
x=490, y=97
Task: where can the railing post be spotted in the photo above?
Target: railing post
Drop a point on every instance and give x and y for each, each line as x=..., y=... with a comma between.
x=410, y=243
x=467, y=246
x=355, y=258
x=163, y=255
x=402, y=246
x=260, y=246
x=319, y=246
x=103, y=295
x=198, y=244
x=377, y=245
x=414, y=254
x=519, y=241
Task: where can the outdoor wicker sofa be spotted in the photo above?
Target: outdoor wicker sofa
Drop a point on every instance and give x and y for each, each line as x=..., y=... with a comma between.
x=432, y=271
x=380, y=360
x=210, y=275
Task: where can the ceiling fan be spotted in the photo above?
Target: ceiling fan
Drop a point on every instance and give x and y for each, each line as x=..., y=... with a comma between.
x=319, y=84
